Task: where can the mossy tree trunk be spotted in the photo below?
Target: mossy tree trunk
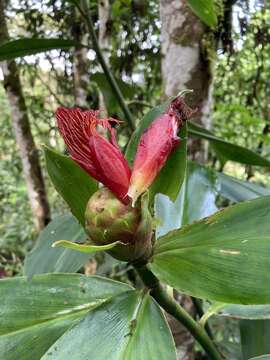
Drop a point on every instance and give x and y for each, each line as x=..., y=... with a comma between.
x=186, y=63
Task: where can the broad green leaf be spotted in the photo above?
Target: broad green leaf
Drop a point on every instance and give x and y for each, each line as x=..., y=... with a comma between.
x=195, y=200
x=251, y=312
x=255, y=336
x=263, y=357
x=33, y=342
x=205, y=10
x=228, y=150
x=238, y=190
x=30, y=46
x=129, y=327
x=171, y=176
x=73, y=183
x=34, y=313
x=84, y=248
x=224, y=257
x=44, y=259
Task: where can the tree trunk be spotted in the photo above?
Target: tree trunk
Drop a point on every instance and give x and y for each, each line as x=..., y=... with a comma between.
x=80, y=63
x=103, y=40
x=20, y=121
x=185, y=61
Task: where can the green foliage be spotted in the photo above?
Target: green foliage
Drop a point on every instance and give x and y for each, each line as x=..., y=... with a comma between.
x=45, y=259
x=31, y=46
x=73, y=183
x=254, y=338
x=222, y=257
x=232, y=263
x=53, y=303
x=228, y=151
x=196, y=200
x=205, y=10
x=126, y=328
x=243, y=118
x=16, y=218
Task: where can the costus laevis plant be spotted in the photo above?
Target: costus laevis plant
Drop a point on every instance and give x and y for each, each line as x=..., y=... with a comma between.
x=118, y=212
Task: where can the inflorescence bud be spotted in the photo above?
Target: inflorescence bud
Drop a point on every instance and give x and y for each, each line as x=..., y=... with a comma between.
x=109, y=220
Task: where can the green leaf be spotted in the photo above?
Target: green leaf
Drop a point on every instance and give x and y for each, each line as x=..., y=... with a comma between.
x=84, y=248
x=71, y=181
x=238, y=190
x=171, y=176
x=30, y=46
x=205, y=10
x=129, y=327
x=224, y=257
x=255, y=336
x=251, y=312
x=228, y=150
x=35, y=313
x=44, y=259
x=195, y=201
x=263, y=357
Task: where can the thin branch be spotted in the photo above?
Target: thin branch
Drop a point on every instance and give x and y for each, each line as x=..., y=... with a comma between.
x=199, y=309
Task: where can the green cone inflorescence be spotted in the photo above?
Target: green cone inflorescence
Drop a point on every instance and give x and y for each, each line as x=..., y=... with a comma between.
x=108, y=220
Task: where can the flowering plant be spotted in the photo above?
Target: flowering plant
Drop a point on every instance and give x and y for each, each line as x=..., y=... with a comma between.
x=111, y=216
x=221, y=257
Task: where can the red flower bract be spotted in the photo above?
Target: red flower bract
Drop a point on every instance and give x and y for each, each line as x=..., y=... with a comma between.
x=103, y=159
x=155, y=146
x=100, y=157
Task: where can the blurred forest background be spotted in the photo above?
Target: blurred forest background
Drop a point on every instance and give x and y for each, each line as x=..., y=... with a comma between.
x=154, y=49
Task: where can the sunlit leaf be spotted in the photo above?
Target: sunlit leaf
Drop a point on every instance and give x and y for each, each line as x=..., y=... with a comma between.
x=224, y=257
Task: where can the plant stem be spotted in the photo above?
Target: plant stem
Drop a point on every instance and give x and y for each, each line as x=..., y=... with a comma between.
x=85, y=12
x=199, y=310
x=174, y=309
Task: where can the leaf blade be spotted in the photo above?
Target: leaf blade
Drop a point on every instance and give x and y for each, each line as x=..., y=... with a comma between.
x=229, y=251
x=44, y=259
x=71, y=182
x=227, y=150
x=205, y=10
x=30, y=46
x=131, y=321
